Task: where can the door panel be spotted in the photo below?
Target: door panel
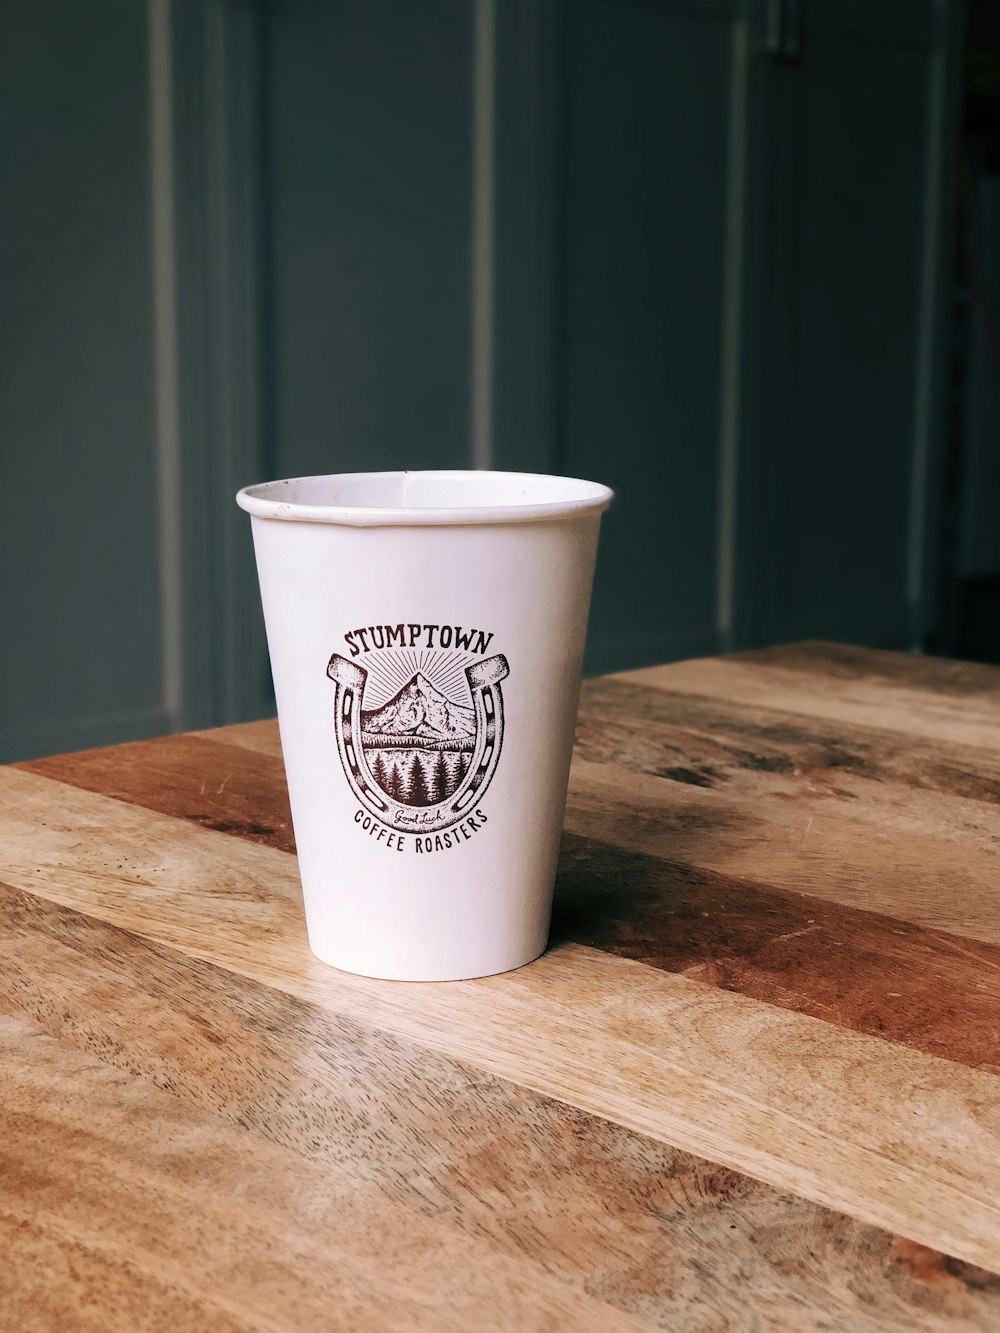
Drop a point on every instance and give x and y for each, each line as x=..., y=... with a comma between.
x=648, y=132
x=79, y=549
x=842, y=311
x=369, y=157
x=854, y=344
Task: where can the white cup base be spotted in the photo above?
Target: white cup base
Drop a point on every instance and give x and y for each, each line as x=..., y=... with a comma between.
x=332, y=959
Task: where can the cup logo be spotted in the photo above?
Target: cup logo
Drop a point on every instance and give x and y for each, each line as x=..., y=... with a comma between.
x=419, y=728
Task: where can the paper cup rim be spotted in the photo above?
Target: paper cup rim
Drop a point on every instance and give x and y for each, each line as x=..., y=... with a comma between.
x=544, y=497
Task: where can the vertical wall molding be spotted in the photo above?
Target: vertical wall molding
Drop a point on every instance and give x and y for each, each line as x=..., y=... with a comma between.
x=165, y=357
x=483, y=261
x=234, y=211
x=775, y=435
x=940, y=204
x=219, y=210
x=529, y=233
x=732, y=338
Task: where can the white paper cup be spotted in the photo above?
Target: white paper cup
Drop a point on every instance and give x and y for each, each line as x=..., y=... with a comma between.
x=426, y=634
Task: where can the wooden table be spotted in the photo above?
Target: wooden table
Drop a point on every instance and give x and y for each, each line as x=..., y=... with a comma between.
x=754, y=1084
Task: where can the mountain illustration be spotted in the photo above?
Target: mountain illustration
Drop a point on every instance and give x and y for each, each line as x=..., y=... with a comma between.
x=419, y=712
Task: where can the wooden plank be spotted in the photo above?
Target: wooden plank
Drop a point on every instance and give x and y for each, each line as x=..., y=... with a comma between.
x=963, y=716
x=259, y=736
x=748, y=748
x=124, y=1208
x=794, y=846
x=810, y=1108
x=654, y=1232
x=805, y=839
x=870, y=972
x=913, y=671
x=231, y=790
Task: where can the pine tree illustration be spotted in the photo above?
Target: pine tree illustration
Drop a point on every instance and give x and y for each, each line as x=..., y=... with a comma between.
x=418, y=794
x=395, y=783
x=439, y=779
x=379, y=772
x=404, y=775
x=454, y=763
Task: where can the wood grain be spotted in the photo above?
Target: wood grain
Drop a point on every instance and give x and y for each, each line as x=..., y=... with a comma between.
x=864, y=970
x=231, y=791
x=754, y=1084
x=767, y=818
x=914, y=672
x=639, y=1225
x=176, y=1219
x=799, y=845
x=873, y=973
x=749, y=748
x=261, y=737
x=824, y=1113
x=952, y=702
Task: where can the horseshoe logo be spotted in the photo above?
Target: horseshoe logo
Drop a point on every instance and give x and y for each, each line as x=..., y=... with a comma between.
x=421, y=759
